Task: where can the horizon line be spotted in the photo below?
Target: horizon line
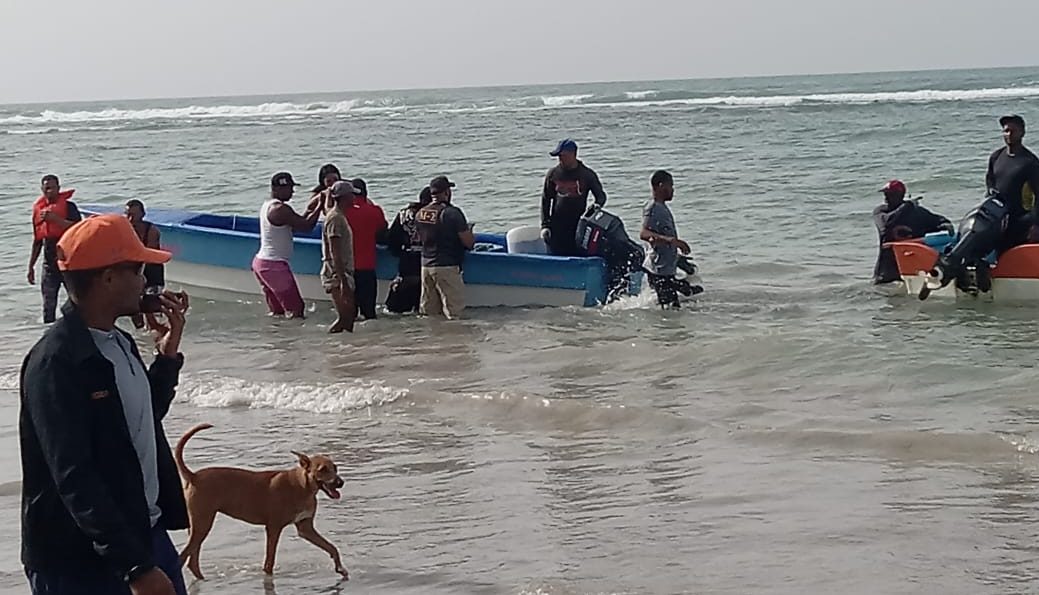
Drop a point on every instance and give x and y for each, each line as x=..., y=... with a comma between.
x=515, y=85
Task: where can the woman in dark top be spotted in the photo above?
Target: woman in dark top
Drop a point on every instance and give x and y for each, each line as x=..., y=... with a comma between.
x=326, y=176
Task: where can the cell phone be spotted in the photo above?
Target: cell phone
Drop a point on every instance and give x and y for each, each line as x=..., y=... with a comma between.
x=150, y=303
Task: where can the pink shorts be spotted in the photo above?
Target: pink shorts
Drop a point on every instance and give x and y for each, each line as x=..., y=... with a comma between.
x=279, y=287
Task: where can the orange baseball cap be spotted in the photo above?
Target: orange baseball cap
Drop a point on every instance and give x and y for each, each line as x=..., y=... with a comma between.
x=103, y=241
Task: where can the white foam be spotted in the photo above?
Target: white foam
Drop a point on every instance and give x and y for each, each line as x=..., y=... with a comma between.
x=639, y=94
x=1021, y=444
x=564, y=100
x=192, y=112
x=921, y=96
x=390, y=105
x=9, y=380
x=337, y=397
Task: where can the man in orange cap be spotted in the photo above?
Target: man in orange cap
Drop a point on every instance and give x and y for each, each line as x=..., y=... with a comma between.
x=99, y=485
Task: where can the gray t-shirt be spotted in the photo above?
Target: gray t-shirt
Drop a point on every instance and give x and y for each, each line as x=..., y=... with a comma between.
x=135, y=392
x=439, y=225
x=662, y=259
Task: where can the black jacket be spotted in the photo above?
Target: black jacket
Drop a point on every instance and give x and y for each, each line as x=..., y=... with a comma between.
x=907, y=220
x=565, y=195
x=83, y=502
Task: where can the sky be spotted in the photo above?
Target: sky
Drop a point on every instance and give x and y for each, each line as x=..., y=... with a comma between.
x=69, y=50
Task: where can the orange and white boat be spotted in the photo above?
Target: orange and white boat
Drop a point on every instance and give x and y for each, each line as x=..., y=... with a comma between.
x=1013, y=278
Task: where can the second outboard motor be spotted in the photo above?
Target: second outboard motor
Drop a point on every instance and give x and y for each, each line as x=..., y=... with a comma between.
x=602, y=234
x=979, y=234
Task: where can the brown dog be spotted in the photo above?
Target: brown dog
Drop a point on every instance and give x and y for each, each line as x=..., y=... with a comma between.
x=274, y=499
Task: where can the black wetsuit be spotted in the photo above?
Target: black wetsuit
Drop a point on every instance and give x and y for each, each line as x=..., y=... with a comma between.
x=404, y=242
x=890, y=222
x=563, y=202
x=1016, y=178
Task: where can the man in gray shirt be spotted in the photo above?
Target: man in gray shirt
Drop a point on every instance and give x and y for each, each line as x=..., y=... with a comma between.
x=658, y=228
x=135, y=395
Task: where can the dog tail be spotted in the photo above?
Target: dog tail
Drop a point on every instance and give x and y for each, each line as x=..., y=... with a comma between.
x=186, y=473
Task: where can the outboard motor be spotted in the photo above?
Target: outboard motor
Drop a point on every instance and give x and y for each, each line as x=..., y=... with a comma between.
x=979, y=234
x=602, y=234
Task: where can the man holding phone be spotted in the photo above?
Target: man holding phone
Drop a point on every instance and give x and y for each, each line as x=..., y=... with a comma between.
x=100, y=488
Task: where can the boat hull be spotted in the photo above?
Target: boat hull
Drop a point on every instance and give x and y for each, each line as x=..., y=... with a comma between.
x=212, y=257
x=1015, y=277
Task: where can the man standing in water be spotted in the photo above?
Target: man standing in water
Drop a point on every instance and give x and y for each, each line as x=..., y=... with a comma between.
x=658, y=228
x=52, y=214
x=404, y=242
x=565, y=198
x=154, y=274
x=900, y=219
x=368, y=223
x=446, y=235
x=271, y=265
x=100, y=489
x=1013, y=171
x=337, y=257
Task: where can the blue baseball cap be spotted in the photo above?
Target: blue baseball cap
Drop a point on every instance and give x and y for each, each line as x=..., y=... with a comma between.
x=564, y=146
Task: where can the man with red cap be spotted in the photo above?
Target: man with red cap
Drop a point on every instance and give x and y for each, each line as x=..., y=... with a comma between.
x=900, y=219
x=99, y=486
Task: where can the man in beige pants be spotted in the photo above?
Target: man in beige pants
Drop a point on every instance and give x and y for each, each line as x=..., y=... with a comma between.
x=446, y=236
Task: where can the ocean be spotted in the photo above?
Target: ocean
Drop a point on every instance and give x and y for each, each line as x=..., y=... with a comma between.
x=790, y=432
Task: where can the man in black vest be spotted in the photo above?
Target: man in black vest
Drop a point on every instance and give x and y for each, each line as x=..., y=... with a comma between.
x=446, y=236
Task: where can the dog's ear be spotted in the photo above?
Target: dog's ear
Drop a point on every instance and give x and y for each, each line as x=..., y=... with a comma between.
x=304, y=460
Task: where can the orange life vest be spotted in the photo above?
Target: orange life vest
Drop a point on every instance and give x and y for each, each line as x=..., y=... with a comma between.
x=41, y=230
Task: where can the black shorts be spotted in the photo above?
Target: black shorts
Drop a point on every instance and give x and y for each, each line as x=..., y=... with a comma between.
x=668, y=288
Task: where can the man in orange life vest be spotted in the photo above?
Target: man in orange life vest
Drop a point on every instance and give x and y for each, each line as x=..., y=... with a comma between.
x=52, y=214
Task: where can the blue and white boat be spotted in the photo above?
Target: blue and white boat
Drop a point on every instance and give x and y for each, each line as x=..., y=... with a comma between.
x=212, y=256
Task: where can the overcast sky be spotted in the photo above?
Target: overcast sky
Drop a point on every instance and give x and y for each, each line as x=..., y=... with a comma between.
x=52, y=50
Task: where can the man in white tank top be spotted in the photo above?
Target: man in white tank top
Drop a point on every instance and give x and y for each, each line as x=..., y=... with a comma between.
x=271, y=265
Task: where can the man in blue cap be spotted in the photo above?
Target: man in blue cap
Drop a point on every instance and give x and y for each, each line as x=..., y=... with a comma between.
x=565, y=199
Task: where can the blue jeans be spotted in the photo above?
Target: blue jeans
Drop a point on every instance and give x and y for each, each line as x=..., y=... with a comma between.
x=104, y=582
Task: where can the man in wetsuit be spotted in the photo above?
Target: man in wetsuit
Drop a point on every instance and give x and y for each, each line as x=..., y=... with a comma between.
x=565, y=198
x=900, y=219
x=1013, y=172
x=404, y=242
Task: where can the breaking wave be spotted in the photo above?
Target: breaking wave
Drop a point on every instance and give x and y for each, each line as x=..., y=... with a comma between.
x=338, y=397
x=49, y=118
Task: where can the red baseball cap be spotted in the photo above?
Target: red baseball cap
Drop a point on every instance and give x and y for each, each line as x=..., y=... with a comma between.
x=103, y=241
x=894, y=187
